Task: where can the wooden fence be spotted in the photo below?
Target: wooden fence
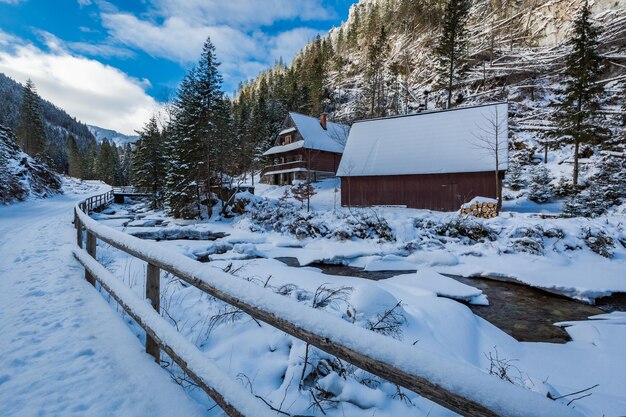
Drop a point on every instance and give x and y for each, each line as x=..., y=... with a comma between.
x=456, y=386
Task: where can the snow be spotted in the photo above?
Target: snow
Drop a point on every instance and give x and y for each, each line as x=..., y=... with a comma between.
x=288, y=130
x=451, y=374
x=284, y=148
x=479, y=199
x=331, y=139
x=426, y=143
x=434, y=322
x=120, y=139
x=63, y=350
x=196, y=362
x=441, y=285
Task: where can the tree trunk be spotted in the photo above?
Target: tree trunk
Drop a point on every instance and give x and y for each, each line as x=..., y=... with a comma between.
x=575, y=176
x=450, y=79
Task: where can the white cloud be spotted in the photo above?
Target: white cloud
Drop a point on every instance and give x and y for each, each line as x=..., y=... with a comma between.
x=243, y=54
x=94, y=93
x=175, y=39
x=287, y=44
x=243, y=13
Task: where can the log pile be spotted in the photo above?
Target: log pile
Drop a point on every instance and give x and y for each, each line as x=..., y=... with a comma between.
x=483, y=208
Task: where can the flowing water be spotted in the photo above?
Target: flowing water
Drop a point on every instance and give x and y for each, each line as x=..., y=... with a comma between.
x=526, y=313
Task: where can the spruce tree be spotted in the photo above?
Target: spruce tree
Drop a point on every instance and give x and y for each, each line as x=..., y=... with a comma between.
x=578, y=115
x=540, y=188
x=452, y=45
x=514, y=176
x=193, y=137
x=75, y=159
x=105, y=167
x=148, y=166
x=185, y=153
x=30, y=129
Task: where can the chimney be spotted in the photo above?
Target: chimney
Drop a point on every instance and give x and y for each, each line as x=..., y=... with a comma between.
x=323, y=120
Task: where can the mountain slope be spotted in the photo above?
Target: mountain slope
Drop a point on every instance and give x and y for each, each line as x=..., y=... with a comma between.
x=20, y=175
x=58, y=124
x=118, y=138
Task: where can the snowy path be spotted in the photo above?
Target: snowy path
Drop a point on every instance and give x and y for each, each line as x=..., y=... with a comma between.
x=63, y=350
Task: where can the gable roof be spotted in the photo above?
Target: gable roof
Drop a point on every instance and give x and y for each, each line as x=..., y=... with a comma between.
x=331, y=139
x=448, y=141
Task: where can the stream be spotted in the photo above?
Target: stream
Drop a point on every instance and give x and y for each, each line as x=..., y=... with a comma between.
x=526, y=313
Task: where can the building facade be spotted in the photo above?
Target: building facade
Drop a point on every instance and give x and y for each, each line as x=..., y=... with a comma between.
x=307, y=148
x=433, y=160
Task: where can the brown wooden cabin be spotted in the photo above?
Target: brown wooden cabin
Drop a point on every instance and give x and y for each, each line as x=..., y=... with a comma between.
x=306, y=148
x=434, y=160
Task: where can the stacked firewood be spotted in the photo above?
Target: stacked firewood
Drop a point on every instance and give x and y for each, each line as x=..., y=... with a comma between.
x=485, y=208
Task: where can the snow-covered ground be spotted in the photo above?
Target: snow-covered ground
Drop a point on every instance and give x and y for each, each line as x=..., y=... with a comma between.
x=272, y=364
x=63, y=350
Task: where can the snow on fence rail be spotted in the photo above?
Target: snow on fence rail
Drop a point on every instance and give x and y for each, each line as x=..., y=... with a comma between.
x=454, y=385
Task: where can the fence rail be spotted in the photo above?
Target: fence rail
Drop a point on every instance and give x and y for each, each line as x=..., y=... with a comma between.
x=129, y=190
x=454, y=385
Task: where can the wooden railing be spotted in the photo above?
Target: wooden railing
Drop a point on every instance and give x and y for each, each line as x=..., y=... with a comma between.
x=130, y=190
x=282, y=167
x=454, y=385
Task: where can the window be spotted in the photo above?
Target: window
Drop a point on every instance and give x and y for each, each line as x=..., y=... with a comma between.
x=287, y=140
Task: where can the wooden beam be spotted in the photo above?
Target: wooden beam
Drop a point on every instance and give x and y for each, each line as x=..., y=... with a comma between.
x=186, y=358
x=153, y=284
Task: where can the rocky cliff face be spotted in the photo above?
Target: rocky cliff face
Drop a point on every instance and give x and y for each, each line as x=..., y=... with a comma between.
x=22, y=176
x=514, y=44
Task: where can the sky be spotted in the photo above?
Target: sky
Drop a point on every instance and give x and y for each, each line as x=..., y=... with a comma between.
x=110, y=63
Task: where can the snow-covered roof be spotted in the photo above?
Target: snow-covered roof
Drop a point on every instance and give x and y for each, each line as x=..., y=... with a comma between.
x=288, y=130
x=449, y=141
x=284, y=148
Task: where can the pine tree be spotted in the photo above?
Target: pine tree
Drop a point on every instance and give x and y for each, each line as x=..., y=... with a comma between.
x=30, y=130
x=452, y=46
x=540, y=189
x=579, y=110
x=75, y=158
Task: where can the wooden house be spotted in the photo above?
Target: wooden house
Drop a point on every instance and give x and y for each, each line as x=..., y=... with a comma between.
x=306, y=148
x=433, y=160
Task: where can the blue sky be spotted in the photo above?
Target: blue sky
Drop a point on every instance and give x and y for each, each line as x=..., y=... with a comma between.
x=110, y=63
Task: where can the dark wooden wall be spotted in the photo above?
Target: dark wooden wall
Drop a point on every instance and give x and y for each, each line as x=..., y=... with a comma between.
x=322, y=160
x=442, y=192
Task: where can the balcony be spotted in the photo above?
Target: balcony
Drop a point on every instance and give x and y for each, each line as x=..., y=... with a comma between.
x=286, y=167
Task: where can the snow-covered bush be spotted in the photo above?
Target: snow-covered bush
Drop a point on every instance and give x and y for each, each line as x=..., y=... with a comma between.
x=526, y=239
x=587, y=203
x=564, y=188
x=599, y=242
x=540, y=188
x=467, y=230
x=285, y=217
x=607, y=188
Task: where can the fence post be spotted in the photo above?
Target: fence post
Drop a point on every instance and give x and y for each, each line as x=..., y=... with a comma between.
x=91, y=250
x=153, y=284
x=79, y=230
